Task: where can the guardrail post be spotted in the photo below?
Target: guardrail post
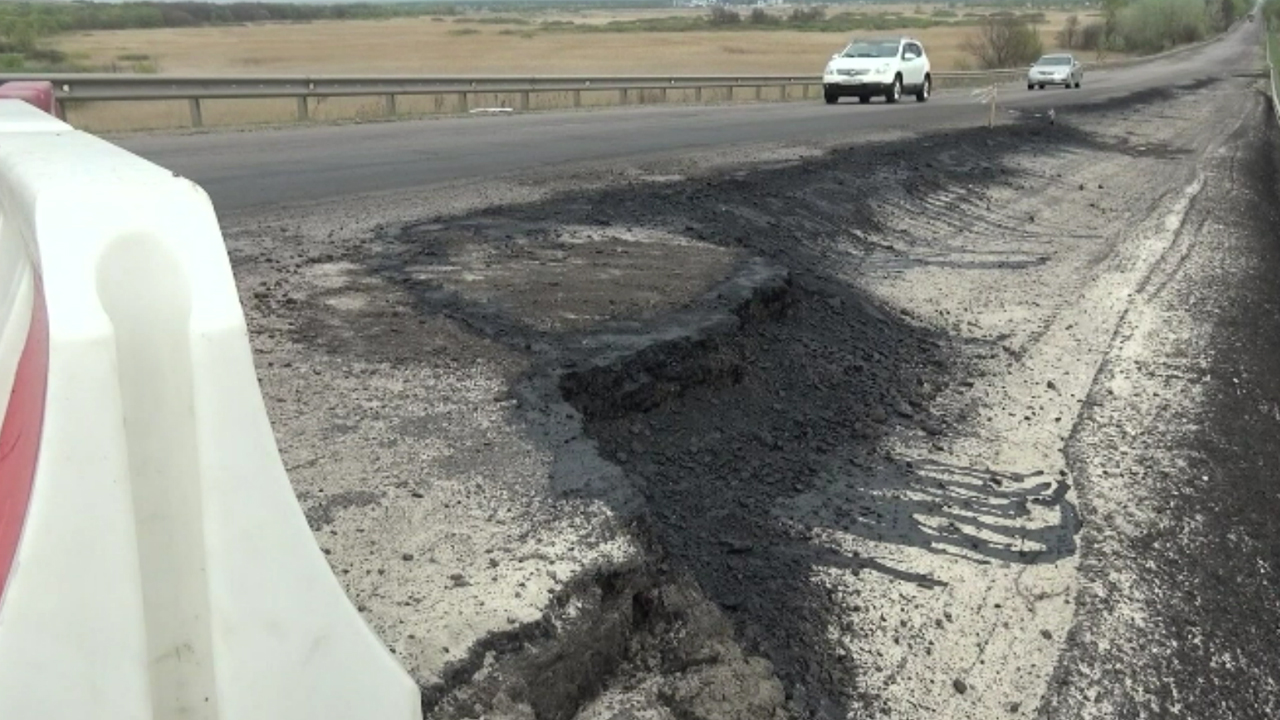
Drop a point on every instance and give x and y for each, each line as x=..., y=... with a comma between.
x=464, y=102
x=524, y=100
x=197, y=118
x=391, y=105
x=577, y=98
x=697, y=94
x=664, y=96
x=759, y=93
x=303, y=114
x=622, y=96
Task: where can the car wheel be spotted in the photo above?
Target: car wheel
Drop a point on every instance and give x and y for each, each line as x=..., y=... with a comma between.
x=895, y=92
x=1030, y=86
x=831, y=99
x=1077, y=84
x=864, y=99
x=1041, y=86
x=922, y=95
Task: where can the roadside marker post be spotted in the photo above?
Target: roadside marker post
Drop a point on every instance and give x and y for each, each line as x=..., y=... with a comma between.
x=154, y=561
x=987, y=95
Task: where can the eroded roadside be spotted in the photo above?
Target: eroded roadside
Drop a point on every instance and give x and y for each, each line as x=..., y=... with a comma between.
x=1177, y=451
x=779, y=435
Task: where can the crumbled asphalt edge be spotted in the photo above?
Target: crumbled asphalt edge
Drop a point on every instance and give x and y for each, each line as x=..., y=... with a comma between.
x=795, y=217
x=649, y=371
x=1222, y=613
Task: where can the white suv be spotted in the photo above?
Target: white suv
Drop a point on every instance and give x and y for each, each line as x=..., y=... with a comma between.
x=888, y=68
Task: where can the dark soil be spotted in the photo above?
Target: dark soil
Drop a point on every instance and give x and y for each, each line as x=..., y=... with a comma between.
x=731, y=404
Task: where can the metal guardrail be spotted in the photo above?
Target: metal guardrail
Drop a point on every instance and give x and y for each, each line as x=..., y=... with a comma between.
x=78, y=88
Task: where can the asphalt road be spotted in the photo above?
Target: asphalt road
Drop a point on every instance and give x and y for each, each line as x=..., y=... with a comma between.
x=242, y=170
x=1026, y=468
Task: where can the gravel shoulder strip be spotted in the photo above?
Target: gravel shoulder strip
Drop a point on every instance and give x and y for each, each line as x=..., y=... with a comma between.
x=1176, y=452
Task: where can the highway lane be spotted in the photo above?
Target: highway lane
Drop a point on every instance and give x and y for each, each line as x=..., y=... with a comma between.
x=273, y=167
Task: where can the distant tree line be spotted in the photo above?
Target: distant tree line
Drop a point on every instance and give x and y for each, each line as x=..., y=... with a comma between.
x=49, y=18
x=815, y=18
x=1133, y=26
x=23, y=25
x=1150, y=26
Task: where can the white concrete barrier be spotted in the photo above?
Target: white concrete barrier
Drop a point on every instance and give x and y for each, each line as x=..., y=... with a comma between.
x=154, y=562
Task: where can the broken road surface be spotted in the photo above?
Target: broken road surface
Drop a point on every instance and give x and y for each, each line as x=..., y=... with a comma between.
x=960, y=423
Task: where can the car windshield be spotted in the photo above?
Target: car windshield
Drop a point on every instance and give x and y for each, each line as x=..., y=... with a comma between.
x=871, y=50
x=1054, y=60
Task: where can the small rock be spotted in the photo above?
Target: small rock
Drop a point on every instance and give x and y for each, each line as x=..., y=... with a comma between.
x=1052, y=385
x=878, y=415
x=1015, y=707
x=1046, y=634
x=623, y=457
x=904, y=409
x=961, y=686
x=931, y=427
x=407, y=557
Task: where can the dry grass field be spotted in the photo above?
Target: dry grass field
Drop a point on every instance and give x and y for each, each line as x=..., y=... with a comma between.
x=463, y=46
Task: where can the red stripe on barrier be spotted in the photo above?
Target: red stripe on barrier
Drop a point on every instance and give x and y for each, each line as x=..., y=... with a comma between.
x=20, y=434
x=36, y=92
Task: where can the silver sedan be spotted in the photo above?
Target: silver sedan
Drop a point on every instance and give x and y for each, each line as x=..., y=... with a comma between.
x=1062, y=70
